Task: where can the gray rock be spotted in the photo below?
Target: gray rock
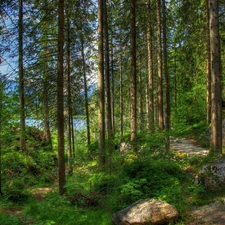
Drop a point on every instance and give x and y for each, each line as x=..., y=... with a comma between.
x=147, y=211
x=212, y=175
x=125, y=147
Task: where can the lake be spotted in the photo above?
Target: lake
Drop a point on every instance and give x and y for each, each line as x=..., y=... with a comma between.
x=78, y=123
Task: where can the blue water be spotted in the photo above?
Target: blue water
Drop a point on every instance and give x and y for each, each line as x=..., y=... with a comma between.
x=79, y=124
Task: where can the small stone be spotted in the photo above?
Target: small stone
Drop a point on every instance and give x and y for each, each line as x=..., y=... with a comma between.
x=125, y=147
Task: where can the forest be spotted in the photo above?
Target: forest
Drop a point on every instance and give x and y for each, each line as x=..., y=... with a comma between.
x=92, y=93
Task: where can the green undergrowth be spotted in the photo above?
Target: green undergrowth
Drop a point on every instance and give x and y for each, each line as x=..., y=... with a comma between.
x=23, y=169
x=59, y=210
x=7, y=219
x=94, y=194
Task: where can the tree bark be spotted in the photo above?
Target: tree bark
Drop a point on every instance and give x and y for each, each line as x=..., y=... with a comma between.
x=208, y=66
x=72, y=133
x=113, y=91
x=21, y=79
x=121, y=98
x=47, y=131
x=86, y=96
x=133, y=87
x=216, y=113
x=159, y=55
x=175, y=79
x=101, y=102
x=141, y=110
x=69, y=103
x=150, y=74
x=107, y=74
x=167, y=82
x=60, y=99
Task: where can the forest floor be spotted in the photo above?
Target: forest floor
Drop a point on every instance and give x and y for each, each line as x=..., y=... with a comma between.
x=210, y=214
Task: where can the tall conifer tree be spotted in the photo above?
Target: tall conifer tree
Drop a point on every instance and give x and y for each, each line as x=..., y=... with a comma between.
x=101, y=102
x=216, y=74
x=21, y=78
x=60, y=99
x=133, y=72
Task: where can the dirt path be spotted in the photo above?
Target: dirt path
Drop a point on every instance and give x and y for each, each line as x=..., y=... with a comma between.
x=190, y=147
x=211, y=214
x=39, y=194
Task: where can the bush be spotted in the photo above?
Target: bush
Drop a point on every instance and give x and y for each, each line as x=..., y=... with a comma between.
x=105, y=185
x=7, y=219
x=146, y=179
x=21, y=170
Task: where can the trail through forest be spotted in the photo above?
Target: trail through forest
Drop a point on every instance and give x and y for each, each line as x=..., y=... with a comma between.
x=213, y=213
x=190, y=147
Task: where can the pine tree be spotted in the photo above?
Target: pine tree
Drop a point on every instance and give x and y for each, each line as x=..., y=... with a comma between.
x=216, y=117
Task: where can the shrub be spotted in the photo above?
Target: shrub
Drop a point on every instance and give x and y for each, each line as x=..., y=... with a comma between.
x=7, y=219
x=148, y=178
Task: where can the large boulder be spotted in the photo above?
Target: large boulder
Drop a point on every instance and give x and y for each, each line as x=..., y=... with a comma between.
x=212, y=175
x=147, y=211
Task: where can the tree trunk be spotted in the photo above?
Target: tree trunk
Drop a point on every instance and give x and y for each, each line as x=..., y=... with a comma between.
x=175, y=79
x=72, y=133
x=47, y=131
x=141, y=97
x=159, y=54
x=147, y=102
x=133, y=87
x=113, y=92
x=150, y=75
x=86, y=96
x=107, y=75
x=101, y=102
x=208, y=66
x=21, y=79
x=121, y=98
x=216, y=117
x=167, y=82
x=68, y=89
x=60, y=100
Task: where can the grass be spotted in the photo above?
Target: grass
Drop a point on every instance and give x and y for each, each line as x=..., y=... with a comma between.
x=98, y=194
x=93, y=195
x=7, y=219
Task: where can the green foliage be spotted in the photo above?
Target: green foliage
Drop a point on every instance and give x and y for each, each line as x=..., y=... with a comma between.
x=197, y=193
x=134, y=189
x=151, y=142
x=36, y=139
x=7, y=219
x=94, y=195
x=153, y=178
x=21, y=170
x=195, y=129
x=94, y=148
x=50, y=212
x=105, y=185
